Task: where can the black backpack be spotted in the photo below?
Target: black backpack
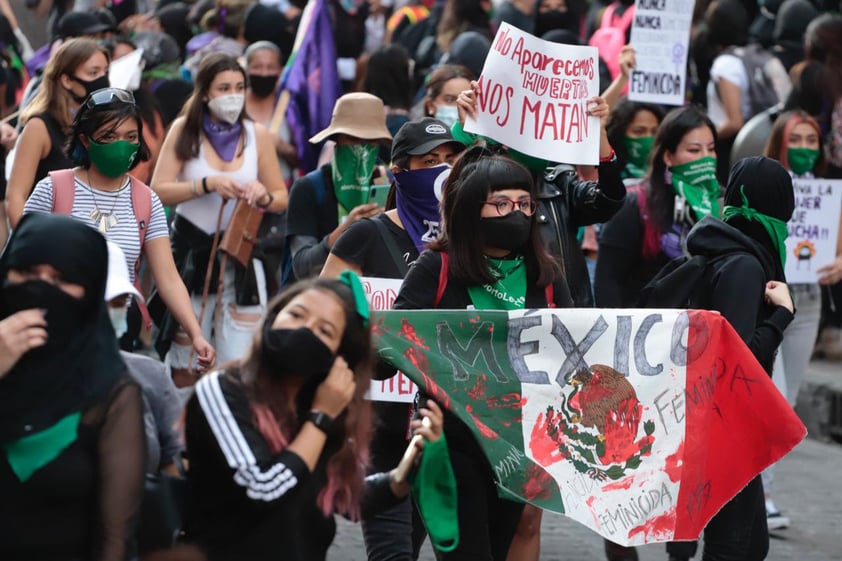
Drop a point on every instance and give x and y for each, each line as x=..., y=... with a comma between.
x=760, y=66
x=679, y=284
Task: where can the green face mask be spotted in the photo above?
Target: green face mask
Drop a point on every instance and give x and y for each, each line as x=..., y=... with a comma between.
x=351, y=170
x=529, y=162
x=638, y=151
x=802, y=160
x=696, y=182
x=113, y=159
x=775, y=227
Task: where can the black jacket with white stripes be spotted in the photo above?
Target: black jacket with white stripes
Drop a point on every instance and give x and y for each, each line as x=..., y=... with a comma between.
x=245, y=502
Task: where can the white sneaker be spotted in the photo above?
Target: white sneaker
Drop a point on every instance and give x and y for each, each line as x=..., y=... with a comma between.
x=776, y=521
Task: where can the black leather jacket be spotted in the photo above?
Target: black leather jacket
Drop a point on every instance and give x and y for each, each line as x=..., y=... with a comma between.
x=566, y=203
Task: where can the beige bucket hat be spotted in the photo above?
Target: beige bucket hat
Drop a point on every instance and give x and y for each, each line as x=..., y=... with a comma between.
x=360, y=115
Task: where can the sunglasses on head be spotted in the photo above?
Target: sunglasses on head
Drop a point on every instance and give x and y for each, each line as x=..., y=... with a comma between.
x=107, y=96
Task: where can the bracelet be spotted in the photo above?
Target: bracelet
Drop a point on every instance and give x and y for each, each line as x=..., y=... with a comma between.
x=194, y=188
x=610, y=158
x=205, y=185
x=271, y=199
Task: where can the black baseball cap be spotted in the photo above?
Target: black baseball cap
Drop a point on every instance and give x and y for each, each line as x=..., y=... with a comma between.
x=79, y=24
x=416, y=138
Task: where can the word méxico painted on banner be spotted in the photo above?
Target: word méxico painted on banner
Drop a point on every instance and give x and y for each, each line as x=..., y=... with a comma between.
x=616, y=418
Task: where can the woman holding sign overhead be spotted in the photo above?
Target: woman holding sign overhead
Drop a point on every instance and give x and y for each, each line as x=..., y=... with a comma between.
x=489, y=256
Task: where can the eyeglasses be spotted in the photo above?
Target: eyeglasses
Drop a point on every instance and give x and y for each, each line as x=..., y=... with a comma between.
x=506, y=206
x=107, y=96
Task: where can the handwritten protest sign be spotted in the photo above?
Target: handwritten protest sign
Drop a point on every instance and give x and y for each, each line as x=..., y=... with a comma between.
x=660, y=35
x=399, y=388
x=534, y=98
x=813, y=228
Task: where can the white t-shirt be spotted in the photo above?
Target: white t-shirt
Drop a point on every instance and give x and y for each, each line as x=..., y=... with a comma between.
x=730, y=68
x=85, y=200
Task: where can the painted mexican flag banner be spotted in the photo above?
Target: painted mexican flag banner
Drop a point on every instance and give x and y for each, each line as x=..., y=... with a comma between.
x=640, y=424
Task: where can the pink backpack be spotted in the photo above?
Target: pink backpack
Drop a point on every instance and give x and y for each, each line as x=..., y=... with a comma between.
x=610, y=38
x=64, y=191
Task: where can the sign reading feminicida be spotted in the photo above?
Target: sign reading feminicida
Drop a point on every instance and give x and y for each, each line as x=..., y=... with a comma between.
x=534, y=97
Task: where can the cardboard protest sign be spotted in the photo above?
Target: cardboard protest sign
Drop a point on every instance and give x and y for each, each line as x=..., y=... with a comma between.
x=639, y=424
x=660, y=35
x=813, y=228
x=399, y=388
x=534, y=98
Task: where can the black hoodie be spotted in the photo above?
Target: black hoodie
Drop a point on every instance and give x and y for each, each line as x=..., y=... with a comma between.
x=737, y=283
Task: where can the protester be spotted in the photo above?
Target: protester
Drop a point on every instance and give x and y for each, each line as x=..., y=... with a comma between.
x=70, y=419
x=226, y=20
x=325, y=202
x=631, y=129
x=278, y=442
x=444, y=84
x=489, y=256
x=386, y=246
x=213, y=154
x=78, y=68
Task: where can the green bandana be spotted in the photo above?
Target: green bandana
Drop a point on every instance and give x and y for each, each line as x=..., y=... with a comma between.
x=353, y=282
x=508, y=292
x=30, y=453
x=351, y=170
x=775, y=227
x=529, y=162
x=637, y=154
x=802, y=160
x=696, y=183
x=434, y=491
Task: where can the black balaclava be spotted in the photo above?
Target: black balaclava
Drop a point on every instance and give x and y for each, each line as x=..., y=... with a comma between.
x=53, y=381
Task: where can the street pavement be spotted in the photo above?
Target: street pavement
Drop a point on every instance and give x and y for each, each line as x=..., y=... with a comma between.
x=807, y=490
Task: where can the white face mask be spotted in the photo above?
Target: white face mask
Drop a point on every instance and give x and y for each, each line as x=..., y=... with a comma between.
x=447, y=114
x=227, y=107
x=119, y=320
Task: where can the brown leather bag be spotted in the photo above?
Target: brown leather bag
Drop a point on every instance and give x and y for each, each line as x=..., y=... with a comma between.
x=241, y=234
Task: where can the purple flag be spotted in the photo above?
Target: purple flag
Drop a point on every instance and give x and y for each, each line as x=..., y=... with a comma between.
x=313, y=83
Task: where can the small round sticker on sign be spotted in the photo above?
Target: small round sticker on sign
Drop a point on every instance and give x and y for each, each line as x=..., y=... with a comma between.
x=438, y=184
x=435, y=128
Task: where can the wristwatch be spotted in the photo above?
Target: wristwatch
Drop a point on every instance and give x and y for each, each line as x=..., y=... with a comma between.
x=322, y=420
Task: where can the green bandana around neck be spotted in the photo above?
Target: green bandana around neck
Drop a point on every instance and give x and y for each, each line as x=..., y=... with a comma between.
x=508, y=292
x=696, y=183
x=637, y=153
x=775, y=227
x=802, y=160
x=351, y=169
x=434, y=490
x=30, y=453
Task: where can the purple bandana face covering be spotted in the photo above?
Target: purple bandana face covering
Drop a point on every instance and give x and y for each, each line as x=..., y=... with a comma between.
x=222, y=136
x=418, y=205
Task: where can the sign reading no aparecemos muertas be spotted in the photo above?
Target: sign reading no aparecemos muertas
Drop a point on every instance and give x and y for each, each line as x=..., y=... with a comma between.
x=534, y=98
x=660, y=36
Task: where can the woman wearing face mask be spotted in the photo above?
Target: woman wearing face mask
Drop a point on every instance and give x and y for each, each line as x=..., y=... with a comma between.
x=444, y=85
x=278, y=442
x=558, y=14
x=631, y=129
x=71, y=428
x=106, y=143
x=79, y=67
x=385, y=246
x=494, y=258
x=652, y=226
x=212, y=154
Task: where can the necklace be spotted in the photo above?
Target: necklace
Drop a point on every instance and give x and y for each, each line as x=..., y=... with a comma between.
x=103, y=220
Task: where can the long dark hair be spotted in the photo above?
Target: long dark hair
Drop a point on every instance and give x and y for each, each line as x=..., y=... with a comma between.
x=346, y=467
x=677, y=123
x=388, y=76
x=475, y=174
x=621, y=117
x=187, y=144
x=90, y=120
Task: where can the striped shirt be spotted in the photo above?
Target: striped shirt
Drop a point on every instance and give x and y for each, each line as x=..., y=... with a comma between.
x=86, y=200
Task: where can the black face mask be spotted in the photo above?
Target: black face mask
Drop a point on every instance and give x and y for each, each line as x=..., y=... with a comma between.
x=263, y=86
x=555, y=19
x=90, y=86
x=295, y=352
x=63, y=311
x=506, y=232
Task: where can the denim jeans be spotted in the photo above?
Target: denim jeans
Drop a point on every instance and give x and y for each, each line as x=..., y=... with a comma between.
x=738, y=532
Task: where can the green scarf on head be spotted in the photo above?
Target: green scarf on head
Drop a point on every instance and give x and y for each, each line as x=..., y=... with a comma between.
x=508, y=292
x=696, y=183
x=637, y=153
x=775, y=227
x=351, y=169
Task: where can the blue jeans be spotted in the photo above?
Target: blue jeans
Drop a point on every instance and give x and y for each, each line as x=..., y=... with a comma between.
x=738, y=532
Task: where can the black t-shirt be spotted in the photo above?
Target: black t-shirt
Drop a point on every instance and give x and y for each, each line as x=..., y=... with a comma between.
x=621, y=270
x=55, y=159
x=362, y=244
